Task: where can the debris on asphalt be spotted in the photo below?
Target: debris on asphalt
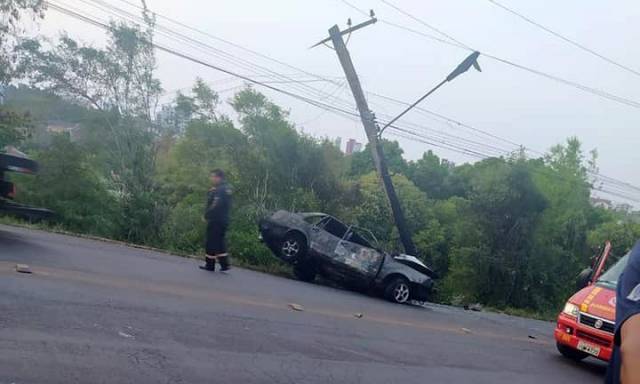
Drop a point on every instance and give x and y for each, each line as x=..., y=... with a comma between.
x=23, y=268
x=125, y=335
x=477, y=307
x=466, y=330
x=532, y=337
x=358, y=315
x=296, y=307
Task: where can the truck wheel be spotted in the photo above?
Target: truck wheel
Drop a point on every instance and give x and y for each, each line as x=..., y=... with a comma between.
x=571, y=353
x=304, y=272
x=293, y=247
x=398, y=290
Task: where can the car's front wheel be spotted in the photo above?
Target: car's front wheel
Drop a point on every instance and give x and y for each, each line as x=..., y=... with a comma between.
x=293, y=247
x=398, y=290
x=571, y=353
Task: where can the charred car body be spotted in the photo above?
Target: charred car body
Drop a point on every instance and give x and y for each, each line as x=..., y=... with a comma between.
x=317, y=243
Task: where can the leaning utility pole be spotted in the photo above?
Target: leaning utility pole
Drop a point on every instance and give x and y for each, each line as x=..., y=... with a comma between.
x=371, y=129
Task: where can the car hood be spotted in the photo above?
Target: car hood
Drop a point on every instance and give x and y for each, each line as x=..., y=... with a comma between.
x=596, y=300
x=414, y=263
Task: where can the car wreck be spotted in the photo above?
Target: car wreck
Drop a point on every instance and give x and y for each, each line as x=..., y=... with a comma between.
x=319, y=244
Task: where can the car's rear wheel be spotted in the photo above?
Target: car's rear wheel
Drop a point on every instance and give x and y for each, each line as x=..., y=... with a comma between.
x=571, y=353
x=293, y=247
x=304, y=272
x=398, y=290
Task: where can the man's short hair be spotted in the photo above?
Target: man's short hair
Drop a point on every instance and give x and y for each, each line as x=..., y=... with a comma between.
x=218, y=172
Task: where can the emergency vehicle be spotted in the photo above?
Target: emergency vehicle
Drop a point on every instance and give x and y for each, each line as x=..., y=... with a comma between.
x=586, y=325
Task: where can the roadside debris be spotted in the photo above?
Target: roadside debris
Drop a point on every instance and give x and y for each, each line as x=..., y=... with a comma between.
x=477, y=307
x=125, y=335
x=532, y=337
x=296, y=307
x=23, y=268
x=358, y=315
x=466, y=330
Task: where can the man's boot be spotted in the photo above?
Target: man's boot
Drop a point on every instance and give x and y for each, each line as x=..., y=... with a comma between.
x=224, y=262
x=210, y=263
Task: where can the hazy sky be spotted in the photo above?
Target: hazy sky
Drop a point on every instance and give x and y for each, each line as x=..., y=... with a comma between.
x=502, y=100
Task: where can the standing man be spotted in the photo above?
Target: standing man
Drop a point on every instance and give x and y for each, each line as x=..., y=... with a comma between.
x=624, y=366
x=217, y=216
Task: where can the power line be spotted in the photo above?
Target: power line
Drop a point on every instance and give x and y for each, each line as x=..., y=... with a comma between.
x=595, y=91
x=328, y=95
x=220, y=54
x=328, y=107
x=564, y=38
x=347, y=104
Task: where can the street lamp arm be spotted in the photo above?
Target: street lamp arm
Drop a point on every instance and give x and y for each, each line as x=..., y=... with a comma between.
x=411, y=106
x=464, y=66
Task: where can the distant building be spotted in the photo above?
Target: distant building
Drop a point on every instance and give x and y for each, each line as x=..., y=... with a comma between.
x=338, y=142
x=353, y=146
x=601, y=203
x=59, y=127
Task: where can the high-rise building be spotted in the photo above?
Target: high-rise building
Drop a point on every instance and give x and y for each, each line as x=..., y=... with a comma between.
x=338, y=142
x=353, y=146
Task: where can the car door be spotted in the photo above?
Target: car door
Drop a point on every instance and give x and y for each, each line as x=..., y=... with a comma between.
x=358, y=260
x=325, y=237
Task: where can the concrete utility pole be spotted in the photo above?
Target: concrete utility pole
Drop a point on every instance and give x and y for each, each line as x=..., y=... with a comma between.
x=371, y=129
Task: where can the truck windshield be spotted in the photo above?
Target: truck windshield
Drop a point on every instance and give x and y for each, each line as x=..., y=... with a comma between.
x=610, y=278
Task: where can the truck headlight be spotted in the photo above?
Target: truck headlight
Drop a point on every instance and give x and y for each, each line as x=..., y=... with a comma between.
x=571, y=310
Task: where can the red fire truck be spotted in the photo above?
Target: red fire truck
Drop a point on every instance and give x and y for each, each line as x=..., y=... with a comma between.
x=586, y=325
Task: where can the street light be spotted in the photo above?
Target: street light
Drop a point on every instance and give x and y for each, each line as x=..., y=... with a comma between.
x=471, y=60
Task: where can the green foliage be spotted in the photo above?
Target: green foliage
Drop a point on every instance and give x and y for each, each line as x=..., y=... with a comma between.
x=362, y=162
x=508, y=233
x=67, y=184
x=14, y=127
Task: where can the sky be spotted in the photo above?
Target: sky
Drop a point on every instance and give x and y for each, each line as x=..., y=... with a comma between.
x=505, y=101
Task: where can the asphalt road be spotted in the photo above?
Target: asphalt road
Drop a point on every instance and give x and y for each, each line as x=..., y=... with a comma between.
x=95, y=312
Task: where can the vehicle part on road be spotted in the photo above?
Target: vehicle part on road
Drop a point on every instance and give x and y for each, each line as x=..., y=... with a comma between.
x=398, y=290
x=304, y=272
x=293, y=247
x=358, y=315
x=23, y=268
x=571, y=353
x=296, y=307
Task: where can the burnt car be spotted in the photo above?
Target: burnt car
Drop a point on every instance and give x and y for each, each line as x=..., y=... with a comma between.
x=319, y=244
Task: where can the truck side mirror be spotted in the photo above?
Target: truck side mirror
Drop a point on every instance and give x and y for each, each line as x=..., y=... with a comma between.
x=584, y=278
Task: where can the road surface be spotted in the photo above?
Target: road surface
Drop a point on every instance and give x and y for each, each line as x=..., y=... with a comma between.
x=97, y=312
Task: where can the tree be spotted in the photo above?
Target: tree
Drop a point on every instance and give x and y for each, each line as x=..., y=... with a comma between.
x=67, y=185
x=117, y=81
x=14, y=127
x=11, y=12
x=362, y=162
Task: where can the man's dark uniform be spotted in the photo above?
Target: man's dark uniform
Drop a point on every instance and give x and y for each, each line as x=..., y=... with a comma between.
x=627, y=305
x=217, y=216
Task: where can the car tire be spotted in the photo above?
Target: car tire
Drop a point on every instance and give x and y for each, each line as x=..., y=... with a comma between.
x=398, y=290
x=293, y=247
x=304, y=272
x=571, y=353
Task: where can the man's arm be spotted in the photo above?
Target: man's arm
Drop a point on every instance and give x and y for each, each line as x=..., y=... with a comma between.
x=630, y=350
